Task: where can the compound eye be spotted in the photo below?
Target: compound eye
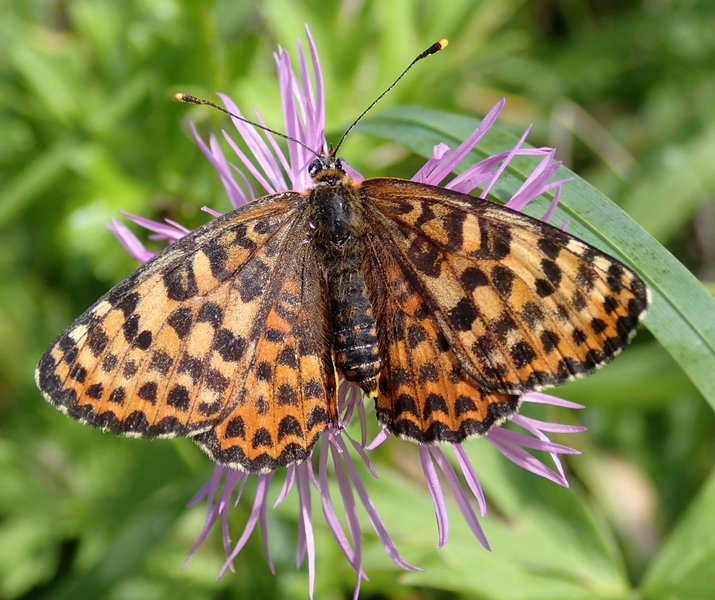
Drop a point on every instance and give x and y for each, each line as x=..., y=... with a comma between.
x=315, y=167
x=338, y=164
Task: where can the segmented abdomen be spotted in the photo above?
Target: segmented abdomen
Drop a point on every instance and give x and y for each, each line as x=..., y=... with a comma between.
x=355, y=333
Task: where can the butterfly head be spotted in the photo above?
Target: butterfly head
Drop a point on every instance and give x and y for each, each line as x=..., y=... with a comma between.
x=327, y=168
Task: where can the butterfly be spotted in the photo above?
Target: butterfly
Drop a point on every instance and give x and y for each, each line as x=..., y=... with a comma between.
x=445, y=309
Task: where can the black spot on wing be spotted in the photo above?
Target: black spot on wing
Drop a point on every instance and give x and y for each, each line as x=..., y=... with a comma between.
x=552, y=271
x=236, y=428
x=118, y=395
x=180, y=282
x=425, y=257
x=289, y=426
x=216, y=381
x=463, y=405
x=462, y=315
x=128, y=304
x=97, y=341
x=288, y=358
x=416, y=334
x=178, y=398
x=434, y=403
x=405, y=403
x=544, y=288
x=503, y=280
x=262, y=438
x=211, y=313
x=503, y=326
x=287, y=395
x=217, y=257
x=148, y=392
x=78, y=373
x=264, y=371
x=549, y=340
x=130, y=328
x=192, y=366
x=230, y=347
x=550, y=248
x=252, y=280
x=472, y=278
x=161, y=362
x=109, y=362
x=95, y=391
x=313, y=389
x=532, y=314
x=129, y=369
x=181, y=321
x=317, y=416
x=143, y=340
x=522, y=354
x=428, y=374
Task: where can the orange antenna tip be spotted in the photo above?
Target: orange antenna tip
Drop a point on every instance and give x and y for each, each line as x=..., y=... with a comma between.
x=194, y=100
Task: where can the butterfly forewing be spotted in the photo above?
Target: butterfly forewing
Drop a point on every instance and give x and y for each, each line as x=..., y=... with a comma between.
x=522, y=304
x=170, y=350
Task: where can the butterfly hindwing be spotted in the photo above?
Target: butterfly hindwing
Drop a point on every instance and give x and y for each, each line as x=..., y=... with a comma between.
x=169, y=350
x=522, y=304
x=424, y=393
x=288, y=394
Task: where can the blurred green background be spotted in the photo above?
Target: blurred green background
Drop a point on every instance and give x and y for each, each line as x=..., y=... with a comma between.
x=624, y=90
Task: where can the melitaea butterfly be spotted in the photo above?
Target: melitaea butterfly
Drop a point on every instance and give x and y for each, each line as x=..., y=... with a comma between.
x=442, y=307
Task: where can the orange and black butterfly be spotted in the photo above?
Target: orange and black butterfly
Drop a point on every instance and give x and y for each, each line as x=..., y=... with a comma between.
x=445, y=309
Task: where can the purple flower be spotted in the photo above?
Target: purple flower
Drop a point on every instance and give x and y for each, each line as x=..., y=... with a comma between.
x=275, y=171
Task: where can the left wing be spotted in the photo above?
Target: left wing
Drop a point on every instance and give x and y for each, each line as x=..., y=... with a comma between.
x=222, y=336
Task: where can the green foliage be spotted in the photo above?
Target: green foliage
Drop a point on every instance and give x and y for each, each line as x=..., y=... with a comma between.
x=88, y=126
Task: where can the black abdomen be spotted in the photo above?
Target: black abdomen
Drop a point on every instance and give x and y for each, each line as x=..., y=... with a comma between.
x=354, y=329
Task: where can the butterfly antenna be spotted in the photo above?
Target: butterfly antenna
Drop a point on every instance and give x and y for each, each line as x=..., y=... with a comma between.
x=186, y=98
x=433, y=49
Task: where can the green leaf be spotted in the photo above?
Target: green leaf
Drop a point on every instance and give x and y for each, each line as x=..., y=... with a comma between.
x=124, y=556
x=682, y=314
x=36, y=178
x=685, y=567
